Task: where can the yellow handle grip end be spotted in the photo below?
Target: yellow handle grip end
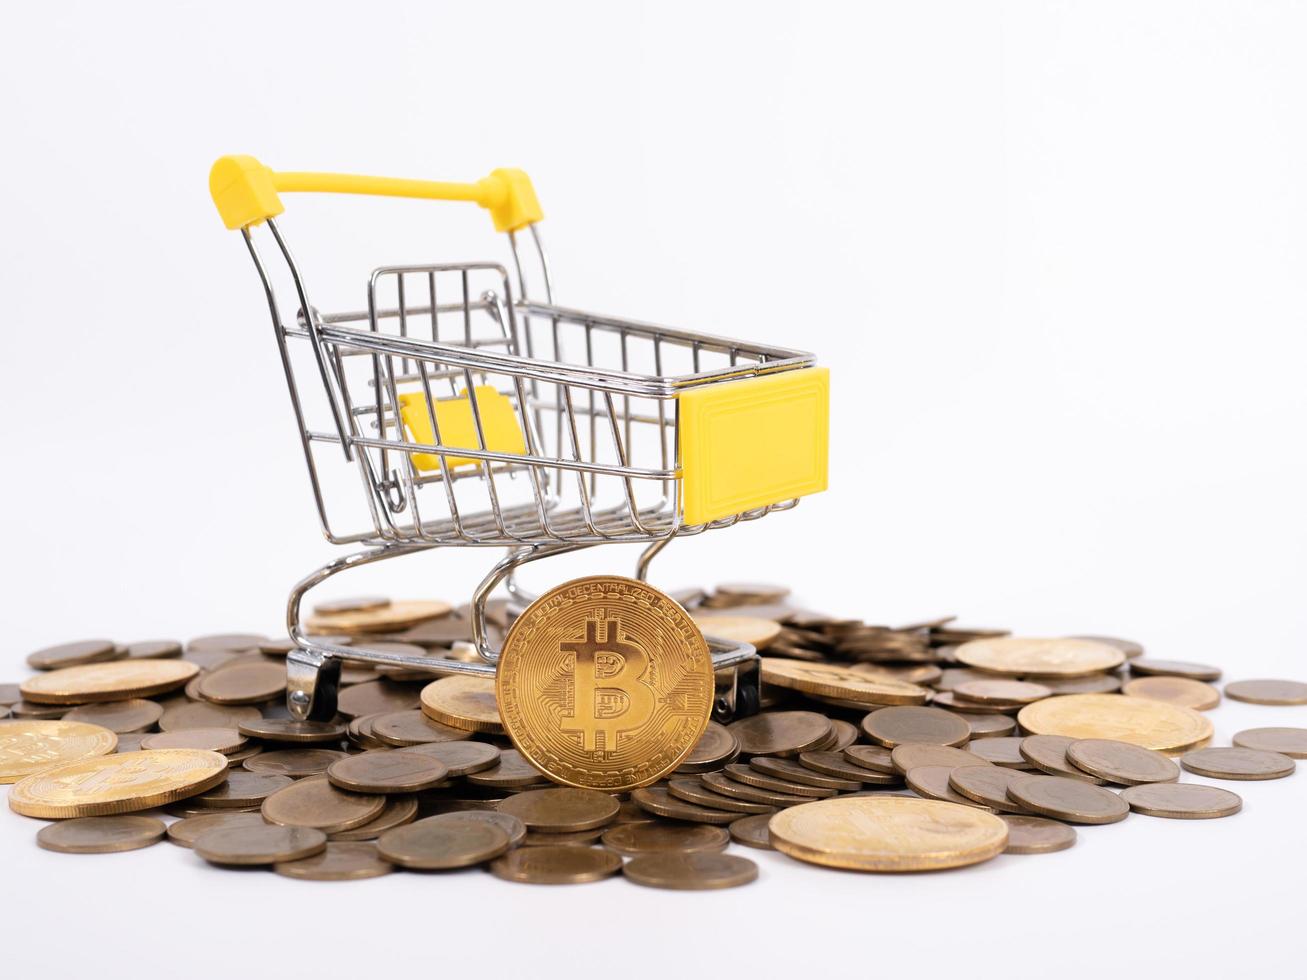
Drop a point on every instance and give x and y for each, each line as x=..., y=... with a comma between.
x=243, y=191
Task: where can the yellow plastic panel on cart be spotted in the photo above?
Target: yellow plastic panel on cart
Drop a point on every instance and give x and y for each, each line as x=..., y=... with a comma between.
x=458, y=428
x=750, y=443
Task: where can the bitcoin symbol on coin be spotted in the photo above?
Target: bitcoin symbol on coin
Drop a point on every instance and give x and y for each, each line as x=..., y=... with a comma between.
x=609, y=695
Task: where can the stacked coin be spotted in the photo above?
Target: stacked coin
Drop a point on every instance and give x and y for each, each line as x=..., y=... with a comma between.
x=918, y=747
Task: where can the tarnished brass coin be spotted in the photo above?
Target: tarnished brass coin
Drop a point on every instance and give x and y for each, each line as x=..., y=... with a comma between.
x=932, y=783
x=390, y=618
x=899, y=725
x=715, y=748
x=509, y=824
x=28, y=711
x=439, y=844
x=1183, y=801
x=153, y=650
x=463, y=701
x=833, y=681
x=1121, y=762
x=1092, y=684
x=386, y=771
x=657, y=838
x=1001, y=692
x=561, y=809
x=375, y=698
x=1184, y=691
x=690, y=870
x=296, y=763
x=399, y=811
x=1287, y=741
x=244, y=682
x=1236, y=763
x=888, y=833
x=101, y=835
x=740, y=629
x=783, y=733
x=225, y=643
x=293, y=732
x=988, y=785
x=187, y=831
x=873, y=757
x=832, y=763
x=511, y=771
x=658, y=801
x=224, y=740
x=201, y=714
x=908, y=756
x=315, y=802
x=241, y=789
x=333, y=607
x=843, y=734
x=121, y=717
x=1069, y=799
x=693, y=790
x=738, y=773
x=255, y=845
x=556, y=865
x=605, y=683
x=112, y=681
x=407, y=728
x=951, y=701
x=1267, y=691
x=1149, y=666
x=113, y=784
x=796, y=772
x=1031, y=657
x=1000, y=752
x=539, y=838
x=1036, y=835
x=1150, y=724
x=1047, y=753
x=74, y=654
x=951, y=677
x=28, y=747
x=131, y=742
x=752, y=832
x=459, y=758
x=339, y=861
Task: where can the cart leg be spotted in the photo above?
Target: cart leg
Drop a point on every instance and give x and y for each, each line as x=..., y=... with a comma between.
x=312, y=680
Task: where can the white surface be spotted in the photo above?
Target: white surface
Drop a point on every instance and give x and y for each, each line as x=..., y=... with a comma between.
x=1052, y=252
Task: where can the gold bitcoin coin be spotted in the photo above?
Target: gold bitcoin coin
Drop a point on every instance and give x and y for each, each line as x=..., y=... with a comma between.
x=118, y=783
x=117, y=680
x=1040, y=657
x=32, y=746
x=605, y=683
x=834, y=681
x=464, y=702
x=1139, y=721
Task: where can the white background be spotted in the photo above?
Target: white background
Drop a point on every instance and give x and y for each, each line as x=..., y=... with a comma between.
x=1053, y=254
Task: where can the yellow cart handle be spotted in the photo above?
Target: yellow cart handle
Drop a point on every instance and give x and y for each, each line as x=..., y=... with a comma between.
x=245, y=191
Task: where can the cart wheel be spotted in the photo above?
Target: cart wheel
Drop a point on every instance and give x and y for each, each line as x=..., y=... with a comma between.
x=738, y=692
x=312, y=679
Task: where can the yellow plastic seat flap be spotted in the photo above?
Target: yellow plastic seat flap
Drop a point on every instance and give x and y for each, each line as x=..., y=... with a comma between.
x=458, y=428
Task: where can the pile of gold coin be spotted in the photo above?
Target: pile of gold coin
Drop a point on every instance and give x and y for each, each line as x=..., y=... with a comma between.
x=880, y=749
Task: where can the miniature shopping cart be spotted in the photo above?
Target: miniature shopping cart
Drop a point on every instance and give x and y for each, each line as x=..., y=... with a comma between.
x=472, y=415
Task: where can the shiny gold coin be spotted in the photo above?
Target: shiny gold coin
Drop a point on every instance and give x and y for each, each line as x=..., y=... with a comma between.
x=409, y=728
x=1036, y=835
x=605, y=683
x=932, y=783
x=339, y=861
x=249, y=846
x=1001, y=692
x=759, y=632
x=201, y=714
x=1069, y=799
x=459, y=758
x=1267, y=692
x=386, y=771
x=888, y=833
x=74, y=654
x=1129, y=647
x=101, y=835
x=904, y=758
x=715, y=748
x=831, y=680
x=117, y=783
x=439, y=844
x=224, y=740
x=1150, y=724
x=1040, y=657
x=1184, y=691
x=693, y=790
x=250, y=681
x=660, y=802
x=512, y=770
x=241, y=789
x=561, y=809
x=463, y=701
x=779, y=790
x=113, y=681
x=120, y=717
x=752, y=832
x=1182, y=801
x=295, y=763
x=390, y=618
x=656, y=838
x=899, y=725
x=1121, y=762
x=399, y=810
x=782, y=733
x=315, y=802
x=1150, y=666
x=690, y=870
x=1236, y=763
x=28, y=747
x=1287, y=741
x=188, y=830
x=556, y=865
x=293, y=732
x=1047, y=753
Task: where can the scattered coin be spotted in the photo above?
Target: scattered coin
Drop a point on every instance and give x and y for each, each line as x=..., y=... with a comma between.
x=113, y=784
x=752, y=832
x=715, y=748
x=187, y=831
x=932, y=783
x=296, y=763
x=690, y=870
x=1040, y=657
x=1150, y=724
x=153, y=649
x=122, y=717
x=439, y=844
x=224, y=740
x=101, y=835
x=539, y=838
x=74, y=654
x=1093, y=684
x=1036, y=835
x=896, y=726
x=1236, y=763
x=338, y=861
x=241, y=789
x=28, y=747
x=873, y=757
x=458, y=758
x=1185, y=801
x=652, y=838
x=1000, y=752
x=512, y=770
x=376, y=697
x=244, y=682
x=1129, y=647
x=832, y=763
x=28, y=711
x=777, y=790
x=561, y=809
x=291, y=731
x=782, y=733
x=556, y=865
x=988, y=726
x=463, y=701
x=740, y=629
x=390, y=618
x=751, y=593
x=658, y=801
x=334, y=607
x=885, y=833
x=315, y=802
x=908, y=756
x=1001, y=692
x=988, y=785
x=398, y=811
x=830, y=680
x=1267, y=692
x=509, y=824
x=1174, y=668
x=201, y=714
x=1121, y=762
x=255, y=845
x=1048, y=754
x=1069, y=799
x=692, y=790
x=1287, y=741
x=112, y=681
x=1184, y=691
x=225, y=643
